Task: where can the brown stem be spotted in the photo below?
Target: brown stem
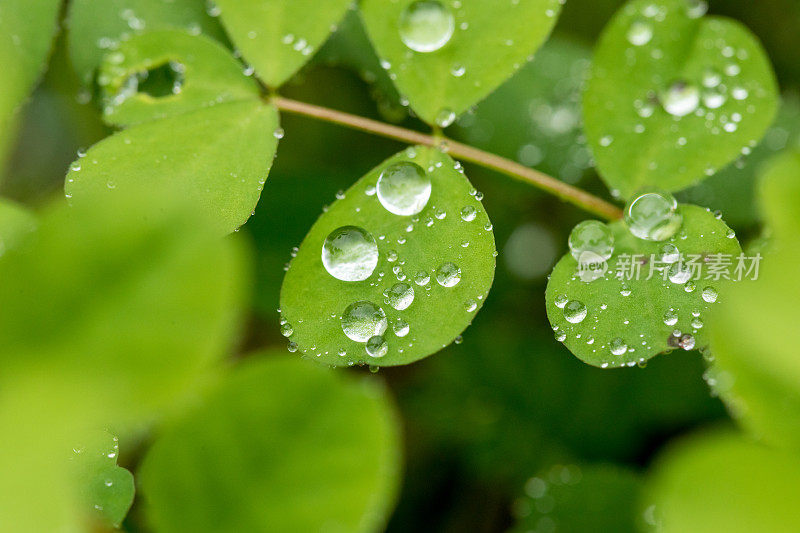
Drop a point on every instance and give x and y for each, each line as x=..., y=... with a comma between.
x=568, y=193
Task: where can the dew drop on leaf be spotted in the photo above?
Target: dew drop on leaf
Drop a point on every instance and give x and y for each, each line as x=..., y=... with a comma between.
x=680, y=98
x=575, y=311
x=363, y=320
x=709, y=295
x=400, y=327
x=399, y=296
x=468, y=213
x=377, y=346
x=591, y=241
x=448, y=275
x=640, y=33
x=617, y=346
x=404, y=188
x=445, y=117
x=350, y=253
x=286, y=329
x=651, y=216
x=426, y=25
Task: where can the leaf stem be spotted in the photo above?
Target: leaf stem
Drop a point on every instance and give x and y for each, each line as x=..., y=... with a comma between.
x=568, y=193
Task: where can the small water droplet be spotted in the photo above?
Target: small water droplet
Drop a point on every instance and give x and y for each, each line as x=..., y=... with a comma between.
x=470, y=306
x=404, y=188
x=468, y=213
x=426, y=25
x=652, y=216
x=617, y=346
x=363, y=320
x=376, y=346
x=286, y=329
x=575, y=311
x=400, y=327
x=709, y=295
x=445, y=117
x=640, y=33
x=670, y=317
x=448, y=275
x=591, y=242
x=680, y=98
x=399, y=296
x=350, y=254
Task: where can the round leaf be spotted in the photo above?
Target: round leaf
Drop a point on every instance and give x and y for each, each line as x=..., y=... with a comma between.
x=490, y=41
x=202, y=73
x=720, y=481
x=629, y=316
x=218, y=157
x=280, y=446
x=674, y=97
x=97, y=27
x=277, y=37
x=313, y=301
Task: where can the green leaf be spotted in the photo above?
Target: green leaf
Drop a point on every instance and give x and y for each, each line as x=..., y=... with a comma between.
x=97, y=27
x=277, y=37
x=755, y=368
x=106, y=488
x=280, y=445
x=127, y=301
x=412, y=251
x=26, y=34
x=719, y=481
x=630, y=316
x=218, y=157
x=573, y=498
x=198, y=72
x=15, y=223
x=709, y=72
x=488, y=44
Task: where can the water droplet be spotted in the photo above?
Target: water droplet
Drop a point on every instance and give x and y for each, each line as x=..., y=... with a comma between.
x=292, y=347
x=625, y=290
x=670, y=318
x=709, y=295
x=713, y=98
x=363, y=320
x=470, y=306
x=404, y=188
x=640, y=33
x=445, y=117
x=575, y=311
x=696, y=8
x=679, y=273
x=286, y=329
x=448, y=275
x=617, y=346
x=680, y=98
x=468, y=213
x=697, y=323
x=422, y=278
x=591, y=242
x=400, y=327
x=377, y=346
x=651, y=216
x=426, y=25
x=711, y=78
x=350, y=254
x=561, y=300
x=670, y=253
x=399, y=296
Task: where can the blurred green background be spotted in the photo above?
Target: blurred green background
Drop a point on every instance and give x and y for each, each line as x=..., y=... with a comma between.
x=485, y=416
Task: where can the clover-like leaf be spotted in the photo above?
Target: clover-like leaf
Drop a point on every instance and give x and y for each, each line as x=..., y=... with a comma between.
x=97, y=27
x=277, y=37
x=649, y=292
x=389, y=289
x=580, y=498
x=755, y=367
x=128, y=301
x=107, y=489
x=26, y=33
x=281, y=445
x=185, y=72
x=215, y=143
x=674, y=96
x=446, y=55
x=721, y=481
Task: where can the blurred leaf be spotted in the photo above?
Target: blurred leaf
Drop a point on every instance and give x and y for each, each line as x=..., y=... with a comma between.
x=26, y=34
x=125, y=306
x=106, y=488
x=573, y=499
x=405, y=253
x=277, y=37
x=199, y=73
x=720, y=481
x=281, y=445
x=755, y=368
x=218, y=157
x=15, y=223
x=95, y=27
x=732, y=189
x=535, y=117
x=673, y=97
x=625, y=321
x=488, y=43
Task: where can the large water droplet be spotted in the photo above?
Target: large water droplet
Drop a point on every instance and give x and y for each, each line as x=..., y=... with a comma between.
x=575, y=311
x=709, y=295
x=652, y=216
x=363, y=320
x=400, y=327
x=426, y=25
x=376, y=346
x=680, y=98
x=448, y=275
x=399, y=296
x=591, y=242
x=404, y=188
x=350, y=254
x=640, y=33
x=617, y=346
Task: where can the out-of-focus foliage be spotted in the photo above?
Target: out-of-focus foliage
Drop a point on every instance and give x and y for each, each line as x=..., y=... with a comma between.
x=280, y=445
